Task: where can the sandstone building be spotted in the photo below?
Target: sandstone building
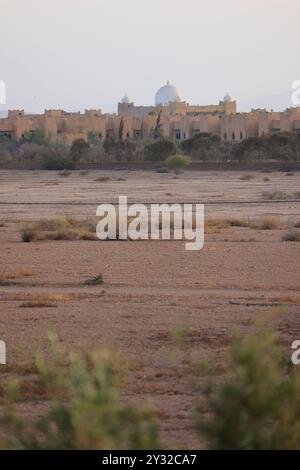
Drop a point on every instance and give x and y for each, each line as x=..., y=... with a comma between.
x=178, y=119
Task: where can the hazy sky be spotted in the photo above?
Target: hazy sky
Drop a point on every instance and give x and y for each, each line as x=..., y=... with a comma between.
x=78, y=54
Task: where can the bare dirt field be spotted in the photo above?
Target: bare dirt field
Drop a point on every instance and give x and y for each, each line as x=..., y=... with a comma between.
x=154, y=292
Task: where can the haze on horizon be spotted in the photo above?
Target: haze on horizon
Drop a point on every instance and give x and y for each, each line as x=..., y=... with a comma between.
x=80, y=54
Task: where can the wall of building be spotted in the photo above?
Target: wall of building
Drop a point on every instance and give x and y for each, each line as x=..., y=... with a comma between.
x=179, y=121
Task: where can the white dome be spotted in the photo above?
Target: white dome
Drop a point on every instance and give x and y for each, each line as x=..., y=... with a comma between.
x=227, y=98
x=125, y=99
x=167, y=94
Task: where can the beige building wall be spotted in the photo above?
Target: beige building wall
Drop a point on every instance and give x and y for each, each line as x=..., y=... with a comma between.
x=179, y=121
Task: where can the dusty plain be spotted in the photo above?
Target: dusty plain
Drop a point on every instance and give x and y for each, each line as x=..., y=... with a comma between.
x=163, y=310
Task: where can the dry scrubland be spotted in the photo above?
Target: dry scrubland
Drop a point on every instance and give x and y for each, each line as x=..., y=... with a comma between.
x=163, y=311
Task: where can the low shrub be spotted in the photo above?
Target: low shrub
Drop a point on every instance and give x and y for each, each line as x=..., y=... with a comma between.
x=102, y=179
x=267, y=223
x=64, y=228
x=246, y=177
x=178, y=162
x=85, y=409
x=280, y=196
x=258, y=407
x=57, y=164
x=65, y=173
x=159, y=150
x=291, y=237
x=28, y=235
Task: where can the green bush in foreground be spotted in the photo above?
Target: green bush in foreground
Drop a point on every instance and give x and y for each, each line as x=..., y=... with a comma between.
x=85, y=410
x=57, y=164
x=259, y=405
x=178, y=162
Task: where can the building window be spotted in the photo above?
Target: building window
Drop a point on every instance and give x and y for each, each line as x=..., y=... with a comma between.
x=233, y=136
x=241, y=136
x=177, y=134
x=225, y=135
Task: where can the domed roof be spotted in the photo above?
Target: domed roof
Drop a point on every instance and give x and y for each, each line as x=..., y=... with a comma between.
x=125, y=99
x=227, y=98
x=167, y=94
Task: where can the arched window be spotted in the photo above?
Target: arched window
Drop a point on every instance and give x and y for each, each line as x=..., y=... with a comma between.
x=241, y=136
x=233, y=136
x=225, y=135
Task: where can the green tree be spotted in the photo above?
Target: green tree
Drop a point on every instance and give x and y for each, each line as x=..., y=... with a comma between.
x=259, y=405
x=55, y=157
x=78, y=148
x=157, y=132
x=159, y=150
x=121, y=130
x=178, y=162
x=85, y=409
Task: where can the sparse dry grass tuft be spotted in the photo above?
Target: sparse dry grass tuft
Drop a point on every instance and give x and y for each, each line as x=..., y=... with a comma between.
x=65, y=173
x=246, y=177
x=95, y=280
x=65, y=228
x=267, y=223
x=102, y=179
x=19, y=368
x=226, y=222
x=28, y=235
x=291, y=237
x=280, y=196
x=40, y=298
x=16, y=275
x=37, y=305
x=292, y=299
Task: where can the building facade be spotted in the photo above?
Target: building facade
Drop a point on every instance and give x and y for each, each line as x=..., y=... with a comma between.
x=178, y=120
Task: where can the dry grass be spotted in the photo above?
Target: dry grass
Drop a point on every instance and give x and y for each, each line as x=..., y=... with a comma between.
x=68, y=228
x=280, y=196
x=267, y=223
x=16, y=275
x=19, y=368
x=293, y=299
x=40, y=298
x=264, y=223
x=65, y=173
x=65, y=228
x=225, y=222
x=95, y=280
x=291, y=237
x=37, y=305
x=102, y=179
x=246, y=177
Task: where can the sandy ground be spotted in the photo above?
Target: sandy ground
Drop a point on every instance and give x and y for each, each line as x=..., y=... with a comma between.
x=153, y=291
